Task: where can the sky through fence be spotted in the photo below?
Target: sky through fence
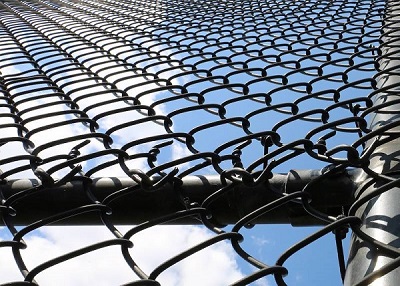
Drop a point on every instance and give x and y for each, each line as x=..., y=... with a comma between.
x=171, y=89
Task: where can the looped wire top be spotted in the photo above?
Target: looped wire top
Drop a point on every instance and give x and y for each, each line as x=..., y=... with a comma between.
x=173, y=95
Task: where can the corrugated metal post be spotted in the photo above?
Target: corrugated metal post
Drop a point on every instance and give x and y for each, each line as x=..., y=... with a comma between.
x=368, y=264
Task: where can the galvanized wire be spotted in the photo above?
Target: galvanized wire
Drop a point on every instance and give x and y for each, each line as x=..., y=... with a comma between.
x=168, y=89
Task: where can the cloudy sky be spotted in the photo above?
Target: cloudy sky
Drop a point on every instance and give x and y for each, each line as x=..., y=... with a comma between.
x=217, y=265
x=98, y=60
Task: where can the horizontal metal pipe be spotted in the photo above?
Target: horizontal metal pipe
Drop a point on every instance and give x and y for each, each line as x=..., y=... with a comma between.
x=328, y=196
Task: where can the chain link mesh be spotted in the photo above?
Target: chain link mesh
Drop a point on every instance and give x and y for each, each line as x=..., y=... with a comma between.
x=170, y=89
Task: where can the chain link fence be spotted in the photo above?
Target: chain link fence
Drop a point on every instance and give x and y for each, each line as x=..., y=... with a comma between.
x=163, y=94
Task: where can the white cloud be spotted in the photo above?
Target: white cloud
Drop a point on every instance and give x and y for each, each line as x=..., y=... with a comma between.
x=260, y=241
x=261, y=282
x=215, y=265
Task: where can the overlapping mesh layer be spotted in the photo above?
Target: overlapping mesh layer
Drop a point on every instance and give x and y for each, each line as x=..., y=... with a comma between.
x=170, y=89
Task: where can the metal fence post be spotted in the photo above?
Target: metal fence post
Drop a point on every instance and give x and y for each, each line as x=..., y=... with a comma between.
x=369, y=262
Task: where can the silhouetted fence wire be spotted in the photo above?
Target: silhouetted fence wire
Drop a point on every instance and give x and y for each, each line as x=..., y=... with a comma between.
x=154, y=112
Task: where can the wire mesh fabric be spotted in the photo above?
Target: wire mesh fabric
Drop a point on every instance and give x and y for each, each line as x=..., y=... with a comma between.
x=156, y=91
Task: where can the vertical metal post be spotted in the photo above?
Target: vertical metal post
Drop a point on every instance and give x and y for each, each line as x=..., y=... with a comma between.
x=369, y=264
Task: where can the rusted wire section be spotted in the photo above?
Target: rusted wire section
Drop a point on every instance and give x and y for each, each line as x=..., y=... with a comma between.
x=170, y=89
